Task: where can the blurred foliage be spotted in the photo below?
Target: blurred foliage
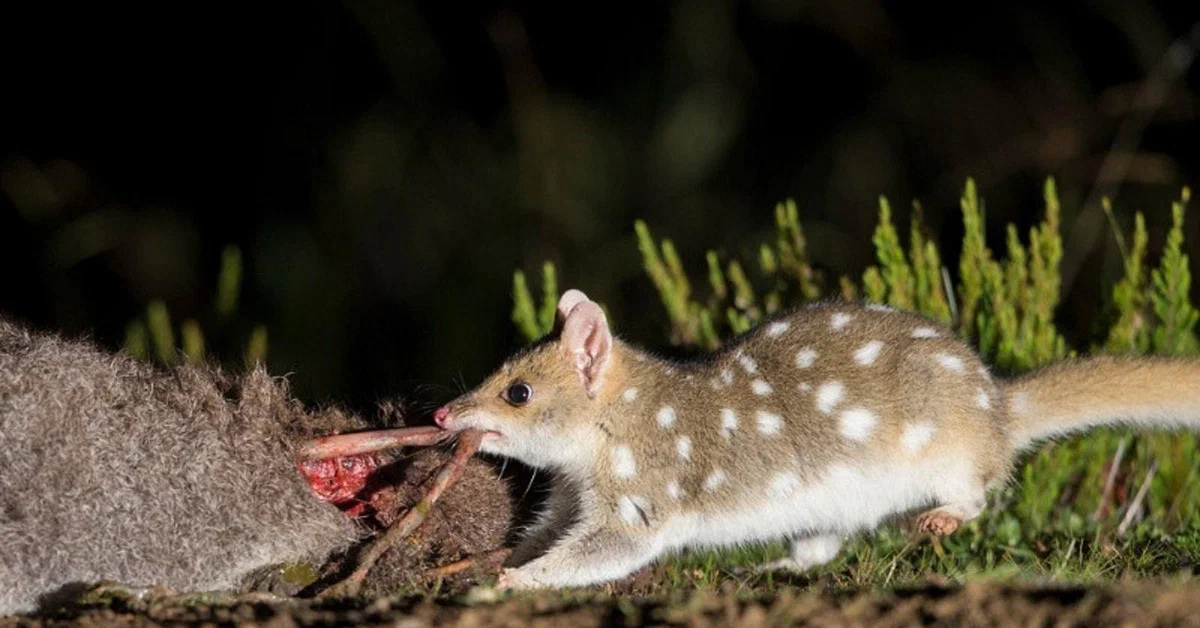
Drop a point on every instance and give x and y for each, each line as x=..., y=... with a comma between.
x=534, y=323
x=152, y=336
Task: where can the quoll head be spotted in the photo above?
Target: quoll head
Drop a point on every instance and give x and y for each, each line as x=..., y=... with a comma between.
x=536, y=407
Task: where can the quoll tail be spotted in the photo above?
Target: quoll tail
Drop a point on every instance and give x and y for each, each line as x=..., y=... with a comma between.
x=1075, y=395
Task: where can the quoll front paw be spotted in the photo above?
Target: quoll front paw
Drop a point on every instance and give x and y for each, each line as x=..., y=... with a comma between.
x=516, y=579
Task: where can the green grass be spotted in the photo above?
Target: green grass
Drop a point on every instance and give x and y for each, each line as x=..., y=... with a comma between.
x=1055, y=518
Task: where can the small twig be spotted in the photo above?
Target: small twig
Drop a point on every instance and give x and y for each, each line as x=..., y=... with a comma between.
x=1110, y=482
x=486, y=559
x=1136, y=505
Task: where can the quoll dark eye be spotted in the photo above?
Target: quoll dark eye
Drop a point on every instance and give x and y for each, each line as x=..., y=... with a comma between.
x=519, y=394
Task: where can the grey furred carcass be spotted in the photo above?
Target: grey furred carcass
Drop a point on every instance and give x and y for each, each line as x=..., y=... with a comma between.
x=112, y=469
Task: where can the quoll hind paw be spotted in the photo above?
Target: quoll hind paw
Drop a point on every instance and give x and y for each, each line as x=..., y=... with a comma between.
x=938, y=522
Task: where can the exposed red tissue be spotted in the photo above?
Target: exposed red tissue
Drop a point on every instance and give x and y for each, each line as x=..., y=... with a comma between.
x=340, y=480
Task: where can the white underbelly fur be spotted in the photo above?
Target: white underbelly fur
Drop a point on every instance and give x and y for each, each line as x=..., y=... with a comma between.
x=845, y=500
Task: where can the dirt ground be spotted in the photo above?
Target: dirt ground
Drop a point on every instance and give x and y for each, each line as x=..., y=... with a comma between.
x=977, y=604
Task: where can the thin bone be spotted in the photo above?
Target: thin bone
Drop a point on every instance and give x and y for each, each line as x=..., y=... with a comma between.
x=486, y=559
x=468, y=444
x=371, y=441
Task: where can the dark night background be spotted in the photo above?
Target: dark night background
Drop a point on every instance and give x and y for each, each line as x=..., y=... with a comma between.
x=385, y=166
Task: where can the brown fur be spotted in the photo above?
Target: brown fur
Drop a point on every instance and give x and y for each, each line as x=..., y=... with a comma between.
x=902, y=384
x=1074, y=395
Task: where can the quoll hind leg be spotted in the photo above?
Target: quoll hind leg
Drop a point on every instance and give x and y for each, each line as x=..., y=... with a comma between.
x=957, y=508
x=807, y=552
x=590, y=555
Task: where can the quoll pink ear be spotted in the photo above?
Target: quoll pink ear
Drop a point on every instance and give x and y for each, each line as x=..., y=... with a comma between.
x=585, y=339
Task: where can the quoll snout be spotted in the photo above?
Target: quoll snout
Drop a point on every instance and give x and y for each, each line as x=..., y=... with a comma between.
x=441, y=416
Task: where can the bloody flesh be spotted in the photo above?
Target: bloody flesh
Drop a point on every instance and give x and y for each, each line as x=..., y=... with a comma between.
x=340, y=480
x=338, y=468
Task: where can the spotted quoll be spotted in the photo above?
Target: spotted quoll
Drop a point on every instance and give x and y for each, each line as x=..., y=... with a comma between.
x=818, y=424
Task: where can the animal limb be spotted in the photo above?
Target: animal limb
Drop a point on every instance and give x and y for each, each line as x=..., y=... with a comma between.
x=369, y=442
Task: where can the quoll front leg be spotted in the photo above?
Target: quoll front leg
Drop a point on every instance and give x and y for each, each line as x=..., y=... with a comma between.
x=586, y=555
x=808, y=552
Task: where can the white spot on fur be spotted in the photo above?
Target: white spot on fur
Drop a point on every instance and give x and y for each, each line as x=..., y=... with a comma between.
x=729, y=422
x=925, y=332
x=727, y=376
x=983, y=400
x=778, y=328
x=867, y=353
x=983, y=370
x=761, y=388
x=769, y=423
x=748, y=363
x=666, y=417
x=675, y=491
x=1018, y=403
x=714, y=480
x=632, y=508
x=840, y=320
x=829, y=395
x=858, y=423
x=683, y=445
x=950, y=362
x=670, y=370
x=784, y=484
x=624, y=466
x=916, y=435
x=630, y=394
x=879, y=307
x=805, y=357
x=804, y=387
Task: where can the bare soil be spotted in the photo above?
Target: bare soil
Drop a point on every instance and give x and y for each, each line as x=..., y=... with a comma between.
x=976, y=604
